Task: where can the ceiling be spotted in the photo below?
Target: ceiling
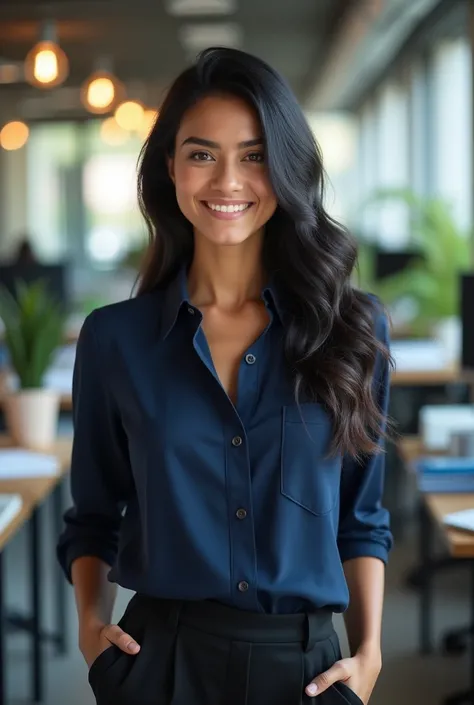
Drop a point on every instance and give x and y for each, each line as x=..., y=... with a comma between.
x=145, y=43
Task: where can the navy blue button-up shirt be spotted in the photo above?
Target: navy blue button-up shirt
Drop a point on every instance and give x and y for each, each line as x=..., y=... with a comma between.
x=187, y=496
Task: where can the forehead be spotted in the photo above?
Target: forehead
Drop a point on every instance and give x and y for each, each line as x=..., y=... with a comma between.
x=221, y=119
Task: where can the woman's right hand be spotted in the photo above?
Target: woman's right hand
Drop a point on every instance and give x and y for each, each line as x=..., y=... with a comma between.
x=94, y=640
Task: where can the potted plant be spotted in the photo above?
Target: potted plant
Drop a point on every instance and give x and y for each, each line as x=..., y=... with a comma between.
x=432, y=281
x=33, y=330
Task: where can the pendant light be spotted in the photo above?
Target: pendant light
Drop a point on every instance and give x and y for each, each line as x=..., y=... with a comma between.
x=46, y=64
x=101, y=91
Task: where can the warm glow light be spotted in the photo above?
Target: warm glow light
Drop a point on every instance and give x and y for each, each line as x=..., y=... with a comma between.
x=46, y=65
x=101, y=92
x=129, y=115
x=112, y=134
x=148, y=120
x=14, y=135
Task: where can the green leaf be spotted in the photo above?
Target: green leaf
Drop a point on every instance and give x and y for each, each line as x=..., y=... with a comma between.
x=433, y=282
x=34, y=329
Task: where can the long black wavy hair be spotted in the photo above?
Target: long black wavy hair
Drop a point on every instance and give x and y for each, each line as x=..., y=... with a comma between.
x=330, y=340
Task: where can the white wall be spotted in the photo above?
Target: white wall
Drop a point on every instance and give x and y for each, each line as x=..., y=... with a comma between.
x=452, y=133
x=13, y=199
x=336, y=134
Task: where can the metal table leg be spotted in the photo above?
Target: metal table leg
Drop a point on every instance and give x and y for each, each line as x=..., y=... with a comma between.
x=36, y=596
x=61, y=585
x=470, y=642
x=2, y=636
x=426, y=592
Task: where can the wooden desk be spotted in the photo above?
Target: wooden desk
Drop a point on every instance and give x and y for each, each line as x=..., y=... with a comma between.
x=34, y=491
x=459, y=543
x=427, y=378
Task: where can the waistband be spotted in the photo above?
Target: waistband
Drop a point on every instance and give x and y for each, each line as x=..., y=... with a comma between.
x=238, y=625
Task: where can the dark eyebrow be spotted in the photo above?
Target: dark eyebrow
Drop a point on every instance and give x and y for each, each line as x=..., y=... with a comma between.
x=215, y=145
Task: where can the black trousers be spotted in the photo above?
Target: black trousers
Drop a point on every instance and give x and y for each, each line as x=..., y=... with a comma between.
x=203, y=653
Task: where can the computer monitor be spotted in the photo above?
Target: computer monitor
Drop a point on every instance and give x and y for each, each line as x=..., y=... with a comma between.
x=467, y=321
x=389, y=263
x=53, y=275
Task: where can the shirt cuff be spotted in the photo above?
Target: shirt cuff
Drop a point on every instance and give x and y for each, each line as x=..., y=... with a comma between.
x=80, y=550
x=363, y=549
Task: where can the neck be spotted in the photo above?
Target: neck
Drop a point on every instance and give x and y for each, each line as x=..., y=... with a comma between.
x=226, y=276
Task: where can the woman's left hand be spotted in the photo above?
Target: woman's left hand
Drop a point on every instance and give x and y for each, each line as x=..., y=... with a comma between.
x=359, y=673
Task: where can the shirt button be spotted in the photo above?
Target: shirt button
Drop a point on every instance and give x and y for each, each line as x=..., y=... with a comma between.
x=237, y=441
x=243, y=586
x=250, y=359
x=191, y=310
x=240, y=513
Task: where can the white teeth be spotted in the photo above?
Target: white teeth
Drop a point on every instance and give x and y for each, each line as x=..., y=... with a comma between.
x=229, y=209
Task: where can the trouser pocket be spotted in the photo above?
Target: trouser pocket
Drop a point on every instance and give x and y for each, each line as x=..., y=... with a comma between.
x=343, y=695
x=118, y=678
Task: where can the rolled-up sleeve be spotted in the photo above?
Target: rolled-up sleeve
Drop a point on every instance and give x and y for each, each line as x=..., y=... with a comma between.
x=364, y=527
x=100, y=468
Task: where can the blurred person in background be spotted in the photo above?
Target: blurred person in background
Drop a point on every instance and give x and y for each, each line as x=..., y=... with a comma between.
x=25, y=253
x=229, y=422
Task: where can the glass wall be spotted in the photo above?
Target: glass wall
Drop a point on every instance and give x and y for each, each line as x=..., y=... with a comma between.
x=81, y=195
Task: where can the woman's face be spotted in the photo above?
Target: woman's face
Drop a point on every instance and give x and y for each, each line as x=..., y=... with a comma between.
x=222, y=184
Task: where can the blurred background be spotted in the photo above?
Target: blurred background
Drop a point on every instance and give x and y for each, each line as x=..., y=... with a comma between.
x=387, y=87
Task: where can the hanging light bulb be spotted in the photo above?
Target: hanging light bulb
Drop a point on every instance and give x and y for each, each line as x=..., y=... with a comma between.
x=101, y=91
x=14, y=135
x=129, y=115
x=46, y=64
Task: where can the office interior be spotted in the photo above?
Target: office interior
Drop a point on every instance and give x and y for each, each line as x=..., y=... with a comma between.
x=387, y=86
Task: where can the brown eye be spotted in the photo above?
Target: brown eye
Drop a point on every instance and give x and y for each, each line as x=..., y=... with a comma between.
x=200, y=157
x=256, y=157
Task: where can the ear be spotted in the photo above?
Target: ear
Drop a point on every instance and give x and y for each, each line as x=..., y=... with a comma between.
x=171, y=168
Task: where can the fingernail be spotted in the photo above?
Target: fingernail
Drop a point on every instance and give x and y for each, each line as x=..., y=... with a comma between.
x=133, y=646
x=312, y=689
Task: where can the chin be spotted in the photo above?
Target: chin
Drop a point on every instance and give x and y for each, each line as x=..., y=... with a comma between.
x=227, y=236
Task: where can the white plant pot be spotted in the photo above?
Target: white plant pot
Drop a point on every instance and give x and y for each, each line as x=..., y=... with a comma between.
x=449, y=333
x=32, y=417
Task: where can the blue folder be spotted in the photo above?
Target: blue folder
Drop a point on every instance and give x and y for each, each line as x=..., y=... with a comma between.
x=445, y=474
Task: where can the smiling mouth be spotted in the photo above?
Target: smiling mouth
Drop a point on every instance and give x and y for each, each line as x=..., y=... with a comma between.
x=231, y=208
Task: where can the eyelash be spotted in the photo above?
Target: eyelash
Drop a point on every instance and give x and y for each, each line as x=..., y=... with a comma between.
x=195, y=156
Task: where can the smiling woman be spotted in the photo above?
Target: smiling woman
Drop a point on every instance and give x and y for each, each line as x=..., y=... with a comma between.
x=228, y=451
x=226, y=181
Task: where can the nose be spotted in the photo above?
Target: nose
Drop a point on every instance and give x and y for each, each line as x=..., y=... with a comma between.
x=227, y=177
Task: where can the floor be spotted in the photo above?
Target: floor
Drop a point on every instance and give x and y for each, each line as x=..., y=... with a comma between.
x=406, y=678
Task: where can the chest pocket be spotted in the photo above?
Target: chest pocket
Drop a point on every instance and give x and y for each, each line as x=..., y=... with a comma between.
x=310, y=476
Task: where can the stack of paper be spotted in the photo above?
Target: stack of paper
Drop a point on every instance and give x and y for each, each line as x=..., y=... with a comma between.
x=10, y=506
x=421, y=355
x=463, y=519
x=16, y=463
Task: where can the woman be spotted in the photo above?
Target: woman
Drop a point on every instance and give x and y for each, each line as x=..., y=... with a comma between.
x=229, y=422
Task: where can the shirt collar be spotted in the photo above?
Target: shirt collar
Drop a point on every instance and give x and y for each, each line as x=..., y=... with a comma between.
x=177, y=295
x=273, y=298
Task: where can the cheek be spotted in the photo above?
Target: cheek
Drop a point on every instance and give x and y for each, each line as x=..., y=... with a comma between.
x=264, y=191
x=188, y=181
